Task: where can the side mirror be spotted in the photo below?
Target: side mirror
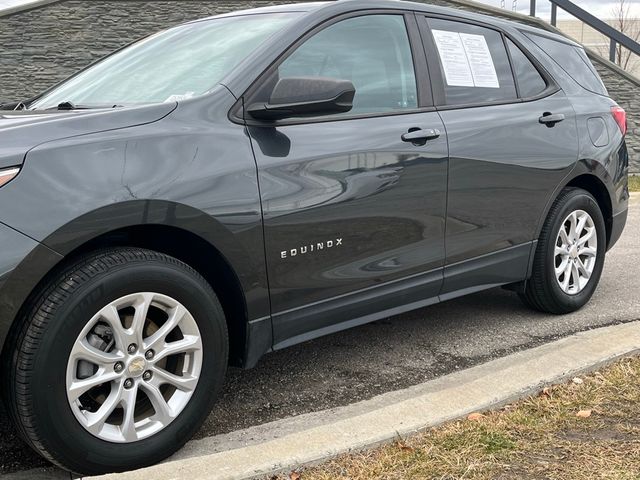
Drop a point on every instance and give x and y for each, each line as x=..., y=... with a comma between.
x=305, y=96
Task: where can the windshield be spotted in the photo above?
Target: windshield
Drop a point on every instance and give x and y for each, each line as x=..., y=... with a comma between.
x=175, y=64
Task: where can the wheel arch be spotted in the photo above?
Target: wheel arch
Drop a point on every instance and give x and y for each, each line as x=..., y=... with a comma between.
x=591, y=176
x=174, y=229
x=596, y=187
x=192, y=250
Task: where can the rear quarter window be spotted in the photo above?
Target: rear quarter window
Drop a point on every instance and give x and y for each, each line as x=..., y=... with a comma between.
x=573, y=60
x=530, y=82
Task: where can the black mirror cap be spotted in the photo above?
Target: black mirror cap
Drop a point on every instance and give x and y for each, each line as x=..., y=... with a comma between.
x=304, y=97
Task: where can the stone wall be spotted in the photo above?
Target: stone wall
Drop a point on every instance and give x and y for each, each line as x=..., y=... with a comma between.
x=45, y=44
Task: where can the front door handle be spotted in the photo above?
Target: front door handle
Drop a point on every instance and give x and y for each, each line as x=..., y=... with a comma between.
x=550, y=119
x=420, y=136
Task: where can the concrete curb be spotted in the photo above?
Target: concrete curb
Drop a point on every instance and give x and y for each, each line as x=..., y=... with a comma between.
x=312, y=438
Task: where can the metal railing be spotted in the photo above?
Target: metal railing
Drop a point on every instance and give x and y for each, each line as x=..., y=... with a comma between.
x=615, y=37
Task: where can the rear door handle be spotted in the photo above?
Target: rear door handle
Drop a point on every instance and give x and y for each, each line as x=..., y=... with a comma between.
x=550, y=119
x=420, y=136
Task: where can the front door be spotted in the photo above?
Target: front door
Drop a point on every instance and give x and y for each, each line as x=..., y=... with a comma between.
x=353, y=213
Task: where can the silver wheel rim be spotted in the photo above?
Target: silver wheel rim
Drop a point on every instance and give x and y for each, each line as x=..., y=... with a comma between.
x=576, y=252
x=134, y=367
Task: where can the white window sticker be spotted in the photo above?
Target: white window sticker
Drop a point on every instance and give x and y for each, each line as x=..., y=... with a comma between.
x=466, y=60
x=454, y=59
x=480, y=61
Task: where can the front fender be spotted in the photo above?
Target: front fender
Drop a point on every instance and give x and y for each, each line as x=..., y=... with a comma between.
x=32, y=261
x=133, y=213
x=193, y=170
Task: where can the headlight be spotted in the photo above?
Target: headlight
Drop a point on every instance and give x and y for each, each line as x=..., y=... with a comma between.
x=8, y=174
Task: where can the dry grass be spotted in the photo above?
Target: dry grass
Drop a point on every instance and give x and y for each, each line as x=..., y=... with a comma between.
x=537, y=438
x=634, y=183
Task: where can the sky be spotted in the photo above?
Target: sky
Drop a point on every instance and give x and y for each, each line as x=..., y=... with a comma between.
x=600, y=8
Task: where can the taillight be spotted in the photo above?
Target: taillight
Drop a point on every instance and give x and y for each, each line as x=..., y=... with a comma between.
x=620, y=116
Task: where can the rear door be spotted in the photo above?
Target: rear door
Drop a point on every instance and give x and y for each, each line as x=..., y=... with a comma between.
x=507, y=154
x=353, y=214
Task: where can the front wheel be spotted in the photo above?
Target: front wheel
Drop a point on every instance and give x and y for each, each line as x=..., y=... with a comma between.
x=570, y=255
x=118, y=363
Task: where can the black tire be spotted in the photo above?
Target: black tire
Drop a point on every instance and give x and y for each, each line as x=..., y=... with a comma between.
x=35, y=391
x=542, y=291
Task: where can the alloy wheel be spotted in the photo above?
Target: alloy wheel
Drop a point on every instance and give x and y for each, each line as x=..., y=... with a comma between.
x=134, y=367
x=576, y=251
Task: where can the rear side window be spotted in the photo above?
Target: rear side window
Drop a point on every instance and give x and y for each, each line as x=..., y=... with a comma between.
x=473, y=62
x=572, y=60
x=530, y=82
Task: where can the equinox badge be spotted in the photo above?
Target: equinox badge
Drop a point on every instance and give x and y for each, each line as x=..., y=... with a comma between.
x=314, y=247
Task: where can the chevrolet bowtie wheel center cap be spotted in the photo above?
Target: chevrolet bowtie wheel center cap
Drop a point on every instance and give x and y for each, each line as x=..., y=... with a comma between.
x=137, y=366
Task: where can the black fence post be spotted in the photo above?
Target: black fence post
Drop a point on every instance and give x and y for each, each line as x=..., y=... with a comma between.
x=532, y=4
x=554, y=14
x=617, y=38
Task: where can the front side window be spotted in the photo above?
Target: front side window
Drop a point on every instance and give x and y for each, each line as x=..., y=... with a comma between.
x=473, y=63
x=371, y=51
x=179, y=63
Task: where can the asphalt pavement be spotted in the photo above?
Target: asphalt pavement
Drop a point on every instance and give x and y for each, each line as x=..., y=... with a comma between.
x=398, y=352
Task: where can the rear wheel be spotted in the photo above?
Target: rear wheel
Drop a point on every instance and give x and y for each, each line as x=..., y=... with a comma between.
x=570, y=255
x=118, y=362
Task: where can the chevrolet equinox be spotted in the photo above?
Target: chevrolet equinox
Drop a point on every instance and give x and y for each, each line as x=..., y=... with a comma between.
x=242, y=183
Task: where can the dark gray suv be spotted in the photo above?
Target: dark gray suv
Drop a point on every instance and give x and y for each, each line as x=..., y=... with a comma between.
x=243, y=183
